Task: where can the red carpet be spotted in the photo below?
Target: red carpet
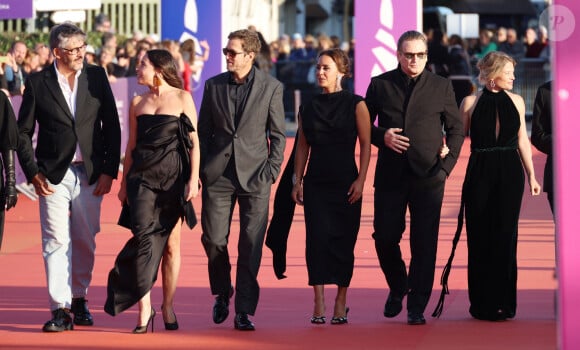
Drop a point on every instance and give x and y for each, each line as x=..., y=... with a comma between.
x=282, y=318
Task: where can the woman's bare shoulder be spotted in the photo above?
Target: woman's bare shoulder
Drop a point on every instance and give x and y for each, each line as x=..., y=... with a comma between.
x=469, y=101
x=515, y=97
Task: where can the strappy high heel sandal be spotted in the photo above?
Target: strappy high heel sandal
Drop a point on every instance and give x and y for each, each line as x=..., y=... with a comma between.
x=340, y=320
x=318, y=320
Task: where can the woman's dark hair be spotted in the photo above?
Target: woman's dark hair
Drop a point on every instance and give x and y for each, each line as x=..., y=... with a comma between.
x=164, y=62
x=340, y=58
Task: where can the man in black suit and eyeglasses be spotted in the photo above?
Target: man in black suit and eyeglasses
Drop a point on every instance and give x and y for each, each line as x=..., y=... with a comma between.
x=71, y=105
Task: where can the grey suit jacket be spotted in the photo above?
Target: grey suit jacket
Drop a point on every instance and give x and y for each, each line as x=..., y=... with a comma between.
x=95, y=127
x=257, y=144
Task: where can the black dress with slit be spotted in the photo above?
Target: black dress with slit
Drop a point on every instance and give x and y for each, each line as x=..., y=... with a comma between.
x=492, y=194
x=155, y=195
x=332, y=224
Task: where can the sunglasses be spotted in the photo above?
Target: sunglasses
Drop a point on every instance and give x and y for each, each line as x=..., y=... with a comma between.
x=230, y=53
x=419, y=55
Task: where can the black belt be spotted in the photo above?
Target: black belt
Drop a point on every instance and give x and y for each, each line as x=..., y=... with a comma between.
x=494, y=149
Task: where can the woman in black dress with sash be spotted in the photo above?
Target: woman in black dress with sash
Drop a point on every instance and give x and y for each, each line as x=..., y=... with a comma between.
x=331, y=192
x=493, y=187
x=161, y=177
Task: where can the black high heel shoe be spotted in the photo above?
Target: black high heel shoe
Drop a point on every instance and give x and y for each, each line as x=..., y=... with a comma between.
x=340, y=320
x=171, y=326
x=143, y=329
x=318, y=320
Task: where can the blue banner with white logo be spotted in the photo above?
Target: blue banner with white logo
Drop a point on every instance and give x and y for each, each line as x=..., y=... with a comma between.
x=199, y=20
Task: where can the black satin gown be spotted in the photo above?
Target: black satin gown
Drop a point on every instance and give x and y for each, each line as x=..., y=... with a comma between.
x=492, y=193
x=332, y=224
x=155, y=194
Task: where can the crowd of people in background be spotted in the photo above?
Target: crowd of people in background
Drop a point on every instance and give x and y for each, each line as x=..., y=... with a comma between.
x=290, y=58
x=454, y=55
x=118, y=58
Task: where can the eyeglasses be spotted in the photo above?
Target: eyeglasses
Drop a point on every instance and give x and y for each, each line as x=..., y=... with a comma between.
x=419, y=55
x=75, y=50
x=230, y=53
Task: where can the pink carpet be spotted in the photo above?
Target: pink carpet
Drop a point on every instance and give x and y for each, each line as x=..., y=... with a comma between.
x=282, y=318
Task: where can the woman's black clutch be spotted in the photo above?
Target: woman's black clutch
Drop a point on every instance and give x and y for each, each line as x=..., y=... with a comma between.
x=189, y=212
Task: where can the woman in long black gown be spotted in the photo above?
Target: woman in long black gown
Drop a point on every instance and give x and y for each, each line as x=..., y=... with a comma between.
x=493, y=187
x=329, y=126
x=161, y=176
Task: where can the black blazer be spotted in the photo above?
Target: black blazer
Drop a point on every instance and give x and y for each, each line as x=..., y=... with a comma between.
x=542, y=131
x=257, y=144
x=431, y=109
x=95, y=128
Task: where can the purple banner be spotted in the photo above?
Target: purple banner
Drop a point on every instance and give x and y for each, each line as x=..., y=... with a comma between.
x=15, y=9
x=200, y=21
x=124, y=89
x=377, y=34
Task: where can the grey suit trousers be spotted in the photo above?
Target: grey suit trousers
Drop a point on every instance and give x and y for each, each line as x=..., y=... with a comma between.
x=218, y=202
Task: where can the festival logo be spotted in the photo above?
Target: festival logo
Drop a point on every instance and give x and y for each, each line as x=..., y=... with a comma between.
x=386, y=53
x=377, y=35
x=190, y=24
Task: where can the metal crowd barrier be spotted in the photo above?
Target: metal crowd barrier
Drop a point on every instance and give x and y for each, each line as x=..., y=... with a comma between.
x=530, y=74
x=299, y=84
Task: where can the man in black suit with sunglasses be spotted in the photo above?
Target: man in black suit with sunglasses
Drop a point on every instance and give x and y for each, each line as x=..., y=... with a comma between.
x=414, y=107
x=242, y=138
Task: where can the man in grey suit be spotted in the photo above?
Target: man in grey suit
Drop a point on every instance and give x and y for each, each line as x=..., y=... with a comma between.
x=76, y=159
x=242, y=137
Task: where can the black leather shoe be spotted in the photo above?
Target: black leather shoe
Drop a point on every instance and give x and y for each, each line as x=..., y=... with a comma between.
x=81, y=311
x=243, y=323
x=415, y=318
x=221, y=307
x=60, y=322
x=393, y=306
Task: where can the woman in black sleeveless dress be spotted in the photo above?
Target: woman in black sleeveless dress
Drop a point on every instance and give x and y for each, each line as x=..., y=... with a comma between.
x=331, y=193
x=161, y=177
x=493, y=187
